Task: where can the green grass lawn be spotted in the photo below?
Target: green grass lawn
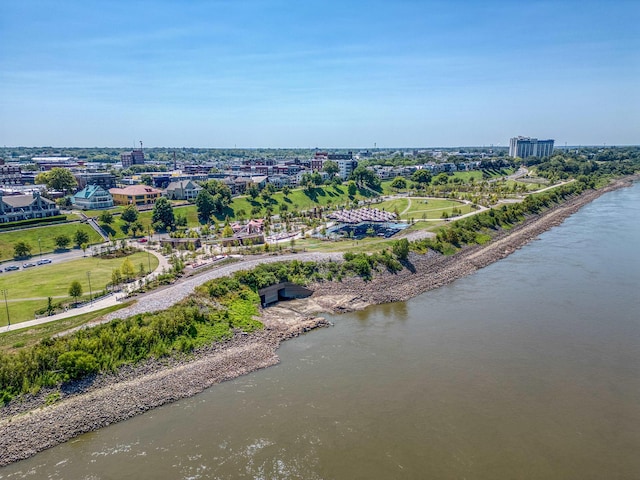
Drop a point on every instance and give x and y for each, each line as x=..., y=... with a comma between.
x=419, y=208
x=45, y=234
x=475, y=175
x=53, y=280
x=17, y=339
x=115, y=210
x=297, y=199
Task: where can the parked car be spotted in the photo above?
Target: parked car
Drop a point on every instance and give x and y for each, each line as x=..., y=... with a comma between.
x=143, y=240
x=28, y=265
x=11, y=268
x=44, y=261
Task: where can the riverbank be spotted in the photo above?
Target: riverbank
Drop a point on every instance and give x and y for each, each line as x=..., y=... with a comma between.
x=111, y=398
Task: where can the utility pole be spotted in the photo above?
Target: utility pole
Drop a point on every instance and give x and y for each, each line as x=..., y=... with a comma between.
x=90, y=293
x=40, y=247
x=6, y=304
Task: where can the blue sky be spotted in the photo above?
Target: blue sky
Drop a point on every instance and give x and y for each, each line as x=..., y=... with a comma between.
x=329, y=74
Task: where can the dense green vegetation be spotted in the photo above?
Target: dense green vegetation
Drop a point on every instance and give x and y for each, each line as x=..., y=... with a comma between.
x=477, y=229
x=196, y=321
x=216, y=309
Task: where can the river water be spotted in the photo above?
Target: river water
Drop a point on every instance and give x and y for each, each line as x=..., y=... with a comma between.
x=529, y=369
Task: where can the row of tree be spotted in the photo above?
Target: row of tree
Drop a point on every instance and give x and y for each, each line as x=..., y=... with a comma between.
x=22, y=248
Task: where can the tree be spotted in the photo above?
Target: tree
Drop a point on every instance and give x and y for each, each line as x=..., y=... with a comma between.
x=116, y=277
x=180, y=220
x=399, y=183
x=205, y=205
x=130, y=212
x=421, y=176
x=227, y=231
x=127, y=269
x=75, y=290
x=59, y=179
x=352, y=189
x=331, y=168
x=400, y=249
x=146, y=179
x=136, y=227
x=365, y=177
x=80, y=237
x=286, y=191
x=220, y=197
x=106, y=217
x=62, y=241
x=441, y=179
x=22, y=249
x=216, y=187
x=163, y=214
x=316, y=178
x=253, y=191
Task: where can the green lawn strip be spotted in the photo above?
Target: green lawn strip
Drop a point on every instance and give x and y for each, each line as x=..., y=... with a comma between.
x=18, y=339
x=46, y=235
x=21, y=311
x=432, y=208
x=391, y=205
x=53, y=280
x=433, y=212
x=116, y=210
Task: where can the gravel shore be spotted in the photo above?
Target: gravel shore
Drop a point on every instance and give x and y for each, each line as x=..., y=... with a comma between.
x=29, y=427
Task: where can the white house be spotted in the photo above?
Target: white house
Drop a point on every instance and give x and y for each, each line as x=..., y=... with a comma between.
x=92, y=197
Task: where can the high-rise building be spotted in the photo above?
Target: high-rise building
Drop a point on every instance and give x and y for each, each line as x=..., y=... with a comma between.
x=524, y=147
x=134, y=157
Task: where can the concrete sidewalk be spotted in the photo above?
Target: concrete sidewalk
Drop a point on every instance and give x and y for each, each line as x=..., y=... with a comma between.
x=104, y=302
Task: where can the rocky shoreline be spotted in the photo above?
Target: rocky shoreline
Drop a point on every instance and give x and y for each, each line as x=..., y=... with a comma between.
x=29, y=427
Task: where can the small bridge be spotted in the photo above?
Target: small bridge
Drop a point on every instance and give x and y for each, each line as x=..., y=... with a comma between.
x=282, y=291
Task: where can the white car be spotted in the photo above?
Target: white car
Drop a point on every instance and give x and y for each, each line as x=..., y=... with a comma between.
x=44, y=261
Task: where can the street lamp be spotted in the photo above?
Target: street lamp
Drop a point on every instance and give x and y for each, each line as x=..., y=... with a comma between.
x=7, y=306
x=90, y=293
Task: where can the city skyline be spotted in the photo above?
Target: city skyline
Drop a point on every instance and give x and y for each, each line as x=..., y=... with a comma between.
x=334, y=75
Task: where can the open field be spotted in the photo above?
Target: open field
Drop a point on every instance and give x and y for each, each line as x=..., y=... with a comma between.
x=27, y=290
x=423, y=208
x=45, y=234
x=475, y=175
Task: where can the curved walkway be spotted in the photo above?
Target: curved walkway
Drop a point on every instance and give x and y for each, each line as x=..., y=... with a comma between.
x=93, y=306
x=167, y=296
